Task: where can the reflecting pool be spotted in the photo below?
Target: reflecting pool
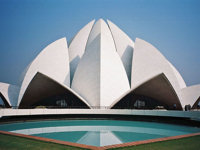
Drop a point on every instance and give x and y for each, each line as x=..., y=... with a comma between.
x=98, y=132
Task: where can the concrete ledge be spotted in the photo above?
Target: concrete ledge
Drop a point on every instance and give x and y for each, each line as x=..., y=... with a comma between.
x=28, y=112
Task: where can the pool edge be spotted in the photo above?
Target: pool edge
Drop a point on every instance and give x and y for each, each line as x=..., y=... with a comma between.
x=150, y=141
x=49, y=140
x=102, y=147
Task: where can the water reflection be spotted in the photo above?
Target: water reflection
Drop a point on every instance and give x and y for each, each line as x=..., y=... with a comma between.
x=98, y=132
x=99, y=135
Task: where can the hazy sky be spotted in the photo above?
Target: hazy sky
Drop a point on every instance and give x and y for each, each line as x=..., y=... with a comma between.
x=27, y=26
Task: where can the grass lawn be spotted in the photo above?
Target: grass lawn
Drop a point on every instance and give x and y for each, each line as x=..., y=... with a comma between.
x=189, y=143
x=19, y=143
x=8, y=142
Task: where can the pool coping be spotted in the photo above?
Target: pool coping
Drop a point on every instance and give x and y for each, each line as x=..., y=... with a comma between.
x=102, y=147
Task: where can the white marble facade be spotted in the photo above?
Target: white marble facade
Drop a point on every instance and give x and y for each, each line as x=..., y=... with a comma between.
x=102, y=65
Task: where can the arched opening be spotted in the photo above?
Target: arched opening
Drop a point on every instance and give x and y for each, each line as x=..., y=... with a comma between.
x=65, y=100
x=132, y=101
x=196, y=104
x=156, y=93
x=44, y=92
x=3, y=102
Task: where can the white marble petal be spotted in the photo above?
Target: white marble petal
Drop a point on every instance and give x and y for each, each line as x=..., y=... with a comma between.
x=100, y=77
x=53, y=61
x=148, y=62
x=77, y=47
x=190, y=95
x=10, y=93
x=124, y=46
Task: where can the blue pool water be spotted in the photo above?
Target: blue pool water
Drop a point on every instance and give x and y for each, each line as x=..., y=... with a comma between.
x=98, y=132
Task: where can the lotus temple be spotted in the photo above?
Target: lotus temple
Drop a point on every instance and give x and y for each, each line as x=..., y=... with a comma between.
x=101, y=70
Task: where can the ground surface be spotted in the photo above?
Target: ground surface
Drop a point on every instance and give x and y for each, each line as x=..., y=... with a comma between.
x=189, y=143
x=8, y=142
x=18, y=143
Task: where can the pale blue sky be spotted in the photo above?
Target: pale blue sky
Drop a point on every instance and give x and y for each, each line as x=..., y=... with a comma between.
x=27, y=26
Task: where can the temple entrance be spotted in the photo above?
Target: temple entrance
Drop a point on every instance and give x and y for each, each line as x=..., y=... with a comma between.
x=3, y=102
x=139, y=102
x=60, y=101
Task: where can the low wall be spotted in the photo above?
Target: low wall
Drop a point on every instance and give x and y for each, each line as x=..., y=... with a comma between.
x=28, y=112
